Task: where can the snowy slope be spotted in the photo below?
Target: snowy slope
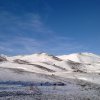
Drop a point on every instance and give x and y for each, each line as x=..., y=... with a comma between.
x=40, y=57
x=82, y=58
x=46, y=64
x=79, y=72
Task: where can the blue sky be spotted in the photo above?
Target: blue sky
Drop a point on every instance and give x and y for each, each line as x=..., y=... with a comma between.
x=52, y=26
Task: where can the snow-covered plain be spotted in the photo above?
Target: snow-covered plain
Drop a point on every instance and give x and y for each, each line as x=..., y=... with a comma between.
x=46, y=77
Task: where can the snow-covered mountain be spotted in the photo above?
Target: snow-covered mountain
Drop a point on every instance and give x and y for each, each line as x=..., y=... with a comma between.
x=82, y=57
x=45, y=64
x=42, y=62
x=43, y=67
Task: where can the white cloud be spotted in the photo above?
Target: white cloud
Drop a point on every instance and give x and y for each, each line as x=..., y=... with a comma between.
x=15, y=36
x=24, y=45
x=20, y=44
x=18, y=25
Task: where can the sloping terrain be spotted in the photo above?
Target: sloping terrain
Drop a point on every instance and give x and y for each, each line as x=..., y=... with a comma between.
x=46, y=77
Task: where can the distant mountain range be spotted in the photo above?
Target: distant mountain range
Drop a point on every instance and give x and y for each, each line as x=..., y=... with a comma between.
x=45, y=64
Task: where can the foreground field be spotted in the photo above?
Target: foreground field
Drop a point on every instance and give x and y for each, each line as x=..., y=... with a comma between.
x=67, y=90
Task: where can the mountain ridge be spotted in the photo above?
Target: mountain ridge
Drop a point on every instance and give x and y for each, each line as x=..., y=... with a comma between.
x=83, y=62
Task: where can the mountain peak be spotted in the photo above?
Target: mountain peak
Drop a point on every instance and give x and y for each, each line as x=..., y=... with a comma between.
x=83, y=57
